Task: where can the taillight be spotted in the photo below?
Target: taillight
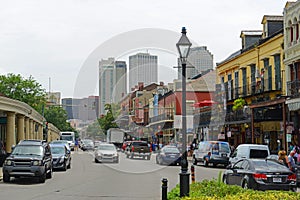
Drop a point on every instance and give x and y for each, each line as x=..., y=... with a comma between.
x=132, y=148
x=260, y=176
x=292, y=177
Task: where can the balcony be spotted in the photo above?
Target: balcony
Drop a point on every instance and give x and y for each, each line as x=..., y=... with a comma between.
x=293, y=88
x=238, y=115
x=162, y=117
x=250, y=89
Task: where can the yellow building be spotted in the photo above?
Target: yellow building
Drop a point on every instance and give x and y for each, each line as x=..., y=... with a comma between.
x=255, y=74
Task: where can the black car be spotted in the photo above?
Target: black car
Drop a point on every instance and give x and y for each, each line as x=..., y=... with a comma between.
x=169, y=155
x=260, y=174
x=29, y=158
x=61, y=156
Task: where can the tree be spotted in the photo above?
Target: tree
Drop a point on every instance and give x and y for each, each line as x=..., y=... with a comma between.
x=107, y=121
x=58, y=117
x=25, y=90
x=94, y=130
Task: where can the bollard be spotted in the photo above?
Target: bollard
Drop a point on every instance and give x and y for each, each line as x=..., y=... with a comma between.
x=164, y=189
x=193, y=173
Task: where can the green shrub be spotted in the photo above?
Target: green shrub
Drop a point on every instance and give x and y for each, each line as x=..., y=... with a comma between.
x=216, y=190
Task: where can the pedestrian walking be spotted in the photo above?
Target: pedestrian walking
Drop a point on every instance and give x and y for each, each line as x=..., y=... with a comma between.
x=76, y=144
x=283, y=158
x=291, y=161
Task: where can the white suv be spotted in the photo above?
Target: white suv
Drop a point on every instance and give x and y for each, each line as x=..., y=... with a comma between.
x=249, y=151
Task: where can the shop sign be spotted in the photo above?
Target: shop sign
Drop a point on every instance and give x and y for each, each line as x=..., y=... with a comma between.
x=288, y=138
x=229, y=134
x=221, y=136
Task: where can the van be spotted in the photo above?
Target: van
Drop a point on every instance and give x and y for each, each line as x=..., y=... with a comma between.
x=220, y=153
x=249, y=151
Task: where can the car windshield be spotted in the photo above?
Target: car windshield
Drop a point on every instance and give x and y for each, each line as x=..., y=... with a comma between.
x=28, y=150
x=67, y=137
x=171, y=150
x=220, y=147
x=59, y=142
x=266, y=165
x=106, y=147
x=89, y=142
x=57, y=150
x=144, y=144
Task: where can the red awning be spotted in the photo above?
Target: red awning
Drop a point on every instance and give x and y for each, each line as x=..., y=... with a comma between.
x=204, y=103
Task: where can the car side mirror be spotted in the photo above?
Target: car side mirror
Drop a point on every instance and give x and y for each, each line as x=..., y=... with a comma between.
x=13, y=147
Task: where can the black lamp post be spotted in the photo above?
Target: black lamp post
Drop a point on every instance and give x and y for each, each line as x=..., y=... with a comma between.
x=183, y=46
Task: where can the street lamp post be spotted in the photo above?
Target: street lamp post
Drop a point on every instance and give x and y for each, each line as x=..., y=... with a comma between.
x=183, y=47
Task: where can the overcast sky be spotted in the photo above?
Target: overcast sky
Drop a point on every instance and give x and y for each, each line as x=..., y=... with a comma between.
x=55, y=39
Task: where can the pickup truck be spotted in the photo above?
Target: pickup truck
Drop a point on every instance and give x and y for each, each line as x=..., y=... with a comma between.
x=138, y=148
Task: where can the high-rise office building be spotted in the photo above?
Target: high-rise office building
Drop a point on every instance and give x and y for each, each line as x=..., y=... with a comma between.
x=120, y=89
x=199, y=60
x=143, y=68
x=112, y=82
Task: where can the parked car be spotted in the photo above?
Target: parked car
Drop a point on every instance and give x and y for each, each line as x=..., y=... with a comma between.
x=106, y=153
x=65, y=142
x=260, y=174
x=249, y=151
x=220, y=153
x=61, y=156
x=87, y=145
x=29, y=158
x=138, y=148
x=169, y=155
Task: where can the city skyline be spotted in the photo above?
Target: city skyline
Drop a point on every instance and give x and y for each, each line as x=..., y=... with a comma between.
x=36, y=42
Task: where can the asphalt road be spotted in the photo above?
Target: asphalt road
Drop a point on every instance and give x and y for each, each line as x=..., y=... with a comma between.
x=130, y=179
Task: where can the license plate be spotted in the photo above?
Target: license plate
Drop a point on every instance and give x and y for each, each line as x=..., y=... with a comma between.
x=224, y=155
x=277, y=180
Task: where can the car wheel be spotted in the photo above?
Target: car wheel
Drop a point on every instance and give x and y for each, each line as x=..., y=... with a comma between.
x=127, y=156
x=69, y=166
x=42, y=178
x=131, y=156
x=6, y=178
x=194, y=161
x=156, y=160
x=50, y=173
x=245, y=184
x=96, y=161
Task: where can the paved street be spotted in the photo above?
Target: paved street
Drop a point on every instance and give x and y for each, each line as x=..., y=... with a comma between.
x=130, y=179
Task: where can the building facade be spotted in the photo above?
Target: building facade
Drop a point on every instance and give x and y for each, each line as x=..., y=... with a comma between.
x=292, y=68
x=143, y=67
x=255, y=75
